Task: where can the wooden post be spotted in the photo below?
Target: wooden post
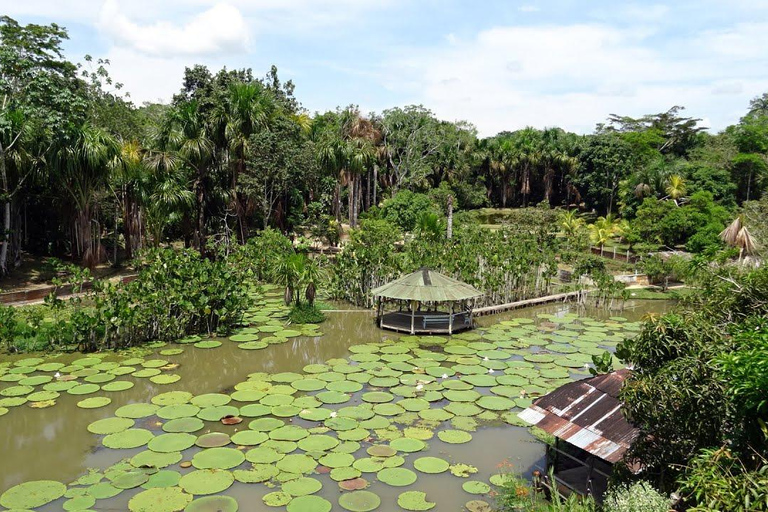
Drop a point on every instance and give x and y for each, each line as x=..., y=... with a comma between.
x=379, y=313
x=413, y=315
x=450, y=320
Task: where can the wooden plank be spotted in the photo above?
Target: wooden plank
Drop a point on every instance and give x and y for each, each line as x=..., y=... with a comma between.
x=489, y=310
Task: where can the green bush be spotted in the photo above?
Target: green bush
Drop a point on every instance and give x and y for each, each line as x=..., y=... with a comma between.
x=405, y=208
x=638, y=497
x=304, y=313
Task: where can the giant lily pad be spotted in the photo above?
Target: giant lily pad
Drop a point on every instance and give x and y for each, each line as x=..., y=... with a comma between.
x=213, y=504
x=475, y=487
x=407, y=445
x=110, y=425
x=213, y=440
x=206, y=481
x=309, y=504
x=359, y=501
x=431, y=465
x=414, y=500
x=302, y=486
x=155, y=459
x=127, y=439
x=94, y=403
x=396, y=477
x=297, y=463
x=171, y=499
x=173, y=442
x=218, y=458
x=136, y=411
x=32, y=494
x=259, y=473
x=454, y=436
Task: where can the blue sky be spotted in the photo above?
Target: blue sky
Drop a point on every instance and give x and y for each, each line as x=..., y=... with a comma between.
x=500, y=65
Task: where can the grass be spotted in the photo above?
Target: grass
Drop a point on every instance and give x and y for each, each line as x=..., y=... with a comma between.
x=305, y=314
x=657, y=294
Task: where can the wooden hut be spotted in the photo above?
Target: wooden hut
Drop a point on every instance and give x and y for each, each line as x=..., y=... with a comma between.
x=425, y=302
x=591, y=432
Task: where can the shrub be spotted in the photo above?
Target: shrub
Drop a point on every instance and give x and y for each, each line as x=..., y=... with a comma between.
x=638, y=497
x=405, y=208
x=304, y=313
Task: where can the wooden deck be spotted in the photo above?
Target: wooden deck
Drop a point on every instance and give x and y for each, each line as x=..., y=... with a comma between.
x=425, y=322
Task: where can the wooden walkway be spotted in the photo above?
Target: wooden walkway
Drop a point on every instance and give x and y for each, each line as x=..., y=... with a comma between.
x=561, y=297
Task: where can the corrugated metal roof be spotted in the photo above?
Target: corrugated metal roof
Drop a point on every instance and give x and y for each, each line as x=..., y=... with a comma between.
x=587, y=414
x=427, y=286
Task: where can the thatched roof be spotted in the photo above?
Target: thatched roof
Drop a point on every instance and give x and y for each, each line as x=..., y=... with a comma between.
x=427, y=286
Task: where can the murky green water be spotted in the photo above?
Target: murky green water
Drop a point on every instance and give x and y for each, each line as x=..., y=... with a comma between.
x=53, y=443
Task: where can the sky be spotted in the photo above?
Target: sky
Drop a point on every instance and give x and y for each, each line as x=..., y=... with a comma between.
x=499, y=64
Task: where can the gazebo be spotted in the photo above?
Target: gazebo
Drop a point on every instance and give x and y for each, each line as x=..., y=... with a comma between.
x=418, y=298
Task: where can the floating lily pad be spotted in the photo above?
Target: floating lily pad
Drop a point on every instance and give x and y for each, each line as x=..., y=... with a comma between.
x=297, y=463
x=475, y=487
x=259, y=473
x=127, y=439
x=206, y=481
x=155, y=459
x=359, y=501
x=218, y=458
x=309, y=504
x=117, y=385
x=187, y=425
x=462, y=470
x=337, y=460
x=263, y=455
x=32, y=494
x=407, y=445
x=171, y=499
x=277, y=499
x=217, y=413
x=249, y=438
x=162, y=479
x=94, y=403
x=172, y=412
x=318, y=442
x=84, y=502
x=136, y=411
x=173, y=442
x=207, y=344
x=431, y=465
x=130, y=479
x=164, y=379
x=454, y=436
x=396, y=477
x=103, y=490
x=414, y=500
x=478, y=506
x=302, y=486
x=213, y=504
x=110, y=426
x=172, y=398
x=213, y=440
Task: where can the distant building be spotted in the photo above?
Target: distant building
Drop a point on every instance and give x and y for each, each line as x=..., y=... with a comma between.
x=591, y=433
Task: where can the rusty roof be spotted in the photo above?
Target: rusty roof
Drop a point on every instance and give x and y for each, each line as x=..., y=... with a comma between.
x=427, y=286
x=587, y=414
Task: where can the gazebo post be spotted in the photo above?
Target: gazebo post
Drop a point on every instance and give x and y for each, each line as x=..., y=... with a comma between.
x=413, y=315
x=379, y=312
x=450, y=320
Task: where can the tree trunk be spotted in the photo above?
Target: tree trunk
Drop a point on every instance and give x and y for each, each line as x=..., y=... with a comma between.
x=449, y=233
x=375, y=182
x=6, y=214
x=351, y=198
x=503, y=194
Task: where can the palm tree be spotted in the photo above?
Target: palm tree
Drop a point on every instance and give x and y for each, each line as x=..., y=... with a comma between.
x=187, y=134
x=570, y=222
x=310, y=278
x=249, y=108
x=737, y=235
x=84, y=167
x=602, y=231
x=675, y=188
x=129, y=175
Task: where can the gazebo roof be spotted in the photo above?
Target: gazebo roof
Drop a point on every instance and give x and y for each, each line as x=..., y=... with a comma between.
x=427, y=286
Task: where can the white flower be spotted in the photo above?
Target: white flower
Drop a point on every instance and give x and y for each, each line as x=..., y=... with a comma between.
x=444, y=376
x=490, y=371
x=419, y=387
x=57, y=375
x=485, y=358
x=333, y=414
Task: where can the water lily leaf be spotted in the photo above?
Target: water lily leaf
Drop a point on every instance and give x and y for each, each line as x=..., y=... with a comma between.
x=155, y=459
x=127, y=439
x=265, y=424
x=172, y=412
x=309, y=504
x=431, y=465
x=117, y=385
x=259, y=473
x=213, y=440
x=249, y=438
x=206, y=481
x=171, y=499
x=407, y=445
x=218, y=412
x=318, y=443
x=172, y=398
x=110, y=425
x=475, y=487
x=288, y=433
x=337, y=460
x=302, y=486
x=84, y=502
x=162, y=479
x=83, y=389
x=462, y=470
x=173, y=442
x=297, y=463
x=213, y=504
x=207, y=344
x=103, y=490
x=478, y=506
x=94, y=403
x=32, y=494
x=359, y=501
x=164, y=379
x=277, y=499
x=414, y=500
x=397, y=477
x=454, y=436
x=130, y=479
x=263, y=455
x=218, y=458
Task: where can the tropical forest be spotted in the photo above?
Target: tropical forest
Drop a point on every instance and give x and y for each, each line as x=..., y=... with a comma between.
x=228, y=300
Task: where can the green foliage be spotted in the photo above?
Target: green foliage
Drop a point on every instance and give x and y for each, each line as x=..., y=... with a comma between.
x=638, y=497
x=717, y=480
x=697, y=375
x=306, y=314
x=602, y=364
x=405, y=209
x=262, y=255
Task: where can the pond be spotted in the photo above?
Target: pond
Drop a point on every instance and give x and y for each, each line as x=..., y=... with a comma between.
x=397, y=409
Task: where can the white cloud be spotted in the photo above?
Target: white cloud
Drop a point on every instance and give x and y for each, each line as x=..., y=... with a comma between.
x=219, y=29
x=574, y=76
x=528, y=8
